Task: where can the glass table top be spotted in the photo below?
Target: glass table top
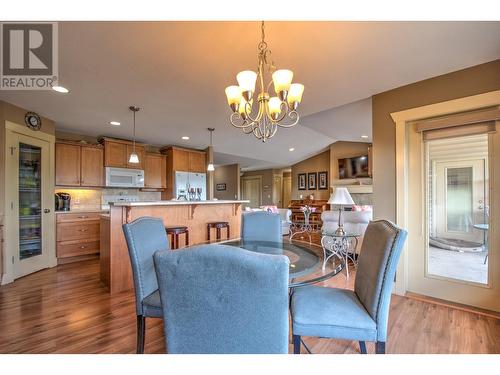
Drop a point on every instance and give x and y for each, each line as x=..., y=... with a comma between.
x=306, y=260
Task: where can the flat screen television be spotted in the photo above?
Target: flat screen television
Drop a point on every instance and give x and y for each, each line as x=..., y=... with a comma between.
x=355, y=167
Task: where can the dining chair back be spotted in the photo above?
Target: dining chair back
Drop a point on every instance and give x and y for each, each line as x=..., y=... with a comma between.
x=377, y=265
x=261, y=226
x=223, y=299
x=144, y=237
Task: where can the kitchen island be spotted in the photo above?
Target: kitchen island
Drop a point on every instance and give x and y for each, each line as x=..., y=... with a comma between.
x=116, y=271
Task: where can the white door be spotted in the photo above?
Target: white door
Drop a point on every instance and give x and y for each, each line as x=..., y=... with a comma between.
x=459, y=199
x=452, y=270
x=30, y=204
x=277, y=187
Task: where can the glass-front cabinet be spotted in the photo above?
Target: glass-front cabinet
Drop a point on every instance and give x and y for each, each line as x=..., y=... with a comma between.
x=30, y=201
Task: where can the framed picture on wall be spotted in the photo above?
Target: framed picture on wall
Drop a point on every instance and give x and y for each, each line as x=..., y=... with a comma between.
x=302, y=181
x=220, y=187
x=323, y=180
x=312, y=181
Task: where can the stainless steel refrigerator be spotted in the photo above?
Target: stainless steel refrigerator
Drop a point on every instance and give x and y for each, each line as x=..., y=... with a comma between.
x=191, y=186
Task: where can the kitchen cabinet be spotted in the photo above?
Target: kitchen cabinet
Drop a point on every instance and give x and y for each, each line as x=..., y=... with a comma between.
x=92, y=171
x=155, y=171
x=77, y=235
x=181, y=160
x=117, y=153
x=79, y=165
x=68, y=164
x=197, y=162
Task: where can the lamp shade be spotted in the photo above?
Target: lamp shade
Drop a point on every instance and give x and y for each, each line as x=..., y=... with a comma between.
x=340, y=196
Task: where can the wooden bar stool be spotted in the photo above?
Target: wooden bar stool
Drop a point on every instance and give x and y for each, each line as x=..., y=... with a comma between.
x=174, y=231
x=218, y=225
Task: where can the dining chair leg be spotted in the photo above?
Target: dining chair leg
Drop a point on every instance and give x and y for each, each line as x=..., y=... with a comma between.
x=380, y=347
x=296, y=344
x=141, y=333
x=362, y=347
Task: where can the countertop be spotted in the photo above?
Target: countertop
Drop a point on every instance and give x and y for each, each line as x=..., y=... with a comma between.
x=176, y=203
x=81, y=211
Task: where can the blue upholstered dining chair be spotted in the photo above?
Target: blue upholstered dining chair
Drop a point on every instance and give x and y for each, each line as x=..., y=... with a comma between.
x=261, y=226
x=222, y=299
x=145, y=236
x=361, y=314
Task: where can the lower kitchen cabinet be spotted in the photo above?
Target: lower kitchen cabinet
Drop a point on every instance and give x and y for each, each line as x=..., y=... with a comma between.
x=77, y=235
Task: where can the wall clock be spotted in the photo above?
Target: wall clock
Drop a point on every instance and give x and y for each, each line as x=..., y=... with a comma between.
x=33, y=121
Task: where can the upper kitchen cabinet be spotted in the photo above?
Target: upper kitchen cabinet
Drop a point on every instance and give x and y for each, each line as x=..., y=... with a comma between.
x=92, y=166
x=79, y=165
x=185, y=160
x=68, y=164
x=155, y=171
x=117, y=153
x=197, y=162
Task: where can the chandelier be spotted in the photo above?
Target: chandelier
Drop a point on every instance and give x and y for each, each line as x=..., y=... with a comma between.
x=272, y=111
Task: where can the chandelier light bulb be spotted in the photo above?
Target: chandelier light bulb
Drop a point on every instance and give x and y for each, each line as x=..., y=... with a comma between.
x=210, y=167
x=295, y=95
x=233, y=94
x=246, y=80
x=282, y=79
x=274, y=107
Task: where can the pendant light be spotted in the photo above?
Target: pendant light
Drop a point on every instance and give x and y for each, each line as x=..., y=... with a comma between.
x=134, y=158
x=210, y=166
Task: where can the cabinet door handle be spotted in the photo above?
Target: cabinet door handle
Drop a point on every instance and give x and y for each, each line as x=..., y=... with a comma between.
x=82, y=217
x=83, y=230
x=83, y=247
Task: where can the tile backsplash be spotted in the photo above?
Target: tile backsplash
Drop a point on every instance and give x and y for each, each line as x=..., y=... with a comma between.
x=91, y=199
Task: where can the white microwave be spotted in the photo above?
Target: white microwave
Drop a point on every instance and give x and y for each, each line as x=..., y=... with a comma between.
x=124, y=177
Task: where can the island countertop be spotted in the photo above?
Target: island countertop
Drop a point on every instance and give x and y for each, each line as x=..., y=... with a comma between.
x=116, y=271
x=175, y=203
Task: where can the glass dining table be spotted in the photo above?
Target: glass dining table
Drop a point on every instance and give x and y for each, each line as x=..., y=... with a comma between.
x=306, y=259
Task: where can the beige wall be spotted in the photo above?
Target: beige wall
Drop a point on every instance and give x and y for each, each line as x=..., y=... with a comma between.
x=229, y=175
x=471, y=81
x=318, y=163
x=9, y=112
x=342, y=149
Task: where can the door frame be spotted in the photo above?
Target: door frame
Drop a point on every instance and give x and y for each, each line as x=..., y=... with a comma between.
x=402, y=120
x=9, y=226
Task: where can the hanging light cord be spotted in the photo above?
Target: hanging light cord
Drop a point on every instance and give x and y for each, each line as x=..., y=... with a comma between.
x=134, y=131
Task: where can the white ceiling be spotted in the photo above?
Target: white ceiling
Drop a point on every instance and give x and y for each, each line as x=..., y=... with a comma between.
x=177, y=72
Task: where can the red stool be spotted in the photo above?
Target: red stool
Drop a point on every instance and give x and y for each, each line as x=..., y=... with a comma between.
x=218, y=225
x=174, y=231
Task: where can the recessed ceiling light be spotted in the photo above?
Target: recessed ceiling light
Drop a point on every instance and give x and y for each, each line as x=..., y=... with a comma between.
x=291, y=149
x=61, y=89
x=114, y=123
x=364, y=136
x=185, y=137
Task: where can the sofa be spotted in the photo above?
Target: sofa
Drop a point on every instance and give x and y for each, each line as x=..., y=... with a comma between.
x=354, y=222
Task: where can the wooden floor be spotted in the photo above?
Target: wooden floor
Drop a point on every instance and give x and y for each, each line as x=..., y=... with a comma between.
x=66, y=310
